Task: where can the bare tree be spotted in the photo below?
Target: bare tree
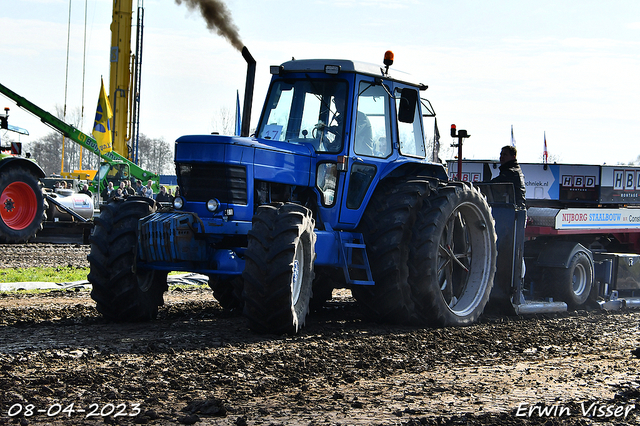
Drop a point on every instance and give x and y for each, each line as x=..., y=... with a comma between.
x=47, y=151
x=156, y=155
x=224, y=122
x=72, y=150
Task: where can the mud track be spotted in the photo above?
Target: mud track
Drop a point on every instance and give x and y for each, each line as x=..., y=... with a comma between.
x=198, y=364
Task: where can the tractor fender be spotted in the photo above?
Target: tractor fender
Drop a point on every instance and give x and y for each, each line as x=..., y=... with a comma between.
x=558, y=254
x=409, y=168
x=30, y=165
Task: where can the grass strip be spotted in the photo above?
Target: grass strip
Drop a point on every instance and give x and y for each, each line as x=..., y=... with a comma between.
x=62, y=274
x=50, y=274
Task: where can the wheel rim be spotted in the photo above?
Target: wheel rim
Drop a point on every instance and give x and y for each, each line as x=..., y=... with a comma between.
x=18, y=205
x=579, y=279
x=462, y=276
x=296, y=273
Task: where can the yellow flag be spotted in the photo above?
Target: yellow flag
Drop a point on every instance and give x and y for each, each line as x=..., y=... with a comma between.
x=102, y=124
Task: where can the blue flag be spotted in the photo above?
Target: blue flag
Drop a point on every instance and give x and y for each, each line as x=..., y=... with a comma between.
x=238, y=118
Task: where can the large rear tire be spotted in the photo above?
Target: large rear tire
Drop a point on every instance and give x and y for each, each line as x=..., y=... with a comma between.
x=121, y=292
x=453, y=257
x=387, y=227
x=21, y=205
x=278, y=272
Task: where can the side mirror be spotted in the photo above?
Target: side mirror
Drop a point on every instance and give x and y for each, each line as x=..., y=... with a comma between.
x=408, y=102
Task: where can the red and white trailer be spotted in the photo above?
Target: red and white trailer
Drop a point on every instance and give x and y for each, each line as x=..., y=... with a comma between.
x=581, y=240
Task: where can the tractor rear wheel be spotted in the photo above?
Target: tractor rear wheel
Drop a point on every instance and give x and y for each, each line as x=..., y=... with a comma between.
x=278, y=272
x=387, y=227
x=121, y=292
x=21, y=205
x=453, y=257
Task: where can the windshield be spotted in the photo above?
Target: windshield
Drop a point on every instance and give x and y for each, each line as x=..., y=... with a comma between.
x=309, y=111
x=104, y=169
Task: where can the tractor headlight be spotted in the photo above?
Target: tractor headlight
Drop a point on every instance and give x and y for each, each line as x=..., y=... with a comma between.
x=178, y=203
x=213, y=204
x=326, y=182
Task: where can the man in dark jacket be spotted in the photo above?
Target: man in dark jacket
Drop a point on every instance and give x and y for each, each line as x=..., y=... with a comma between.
x=162, y=196
x=510, y=172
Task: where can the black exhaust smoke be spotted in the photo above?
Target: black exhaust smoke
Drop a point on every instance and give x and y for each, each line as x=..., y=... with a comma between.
x=218, y=18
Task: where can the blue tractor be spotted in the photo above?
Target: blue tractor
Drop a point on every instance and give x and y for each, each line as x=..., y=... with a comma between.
x=334, y=190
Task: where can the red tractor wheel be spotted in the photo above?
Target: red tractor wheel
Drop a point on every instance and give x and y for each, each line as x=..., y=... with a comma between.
x=18, y=205
x=21, y=206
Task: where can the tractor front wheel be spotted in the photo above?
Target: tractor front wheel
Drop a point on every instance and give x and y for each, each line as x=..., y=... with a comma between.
x=278, y=272
x=121, y=292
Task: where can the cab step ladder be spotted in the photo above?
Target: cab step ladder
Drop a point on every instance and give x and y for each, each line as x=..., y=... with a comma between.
x=354, y=255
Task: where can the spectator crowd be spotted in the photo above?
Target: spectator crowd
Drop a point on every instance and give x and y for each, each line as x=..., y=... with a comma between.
x=127, y=188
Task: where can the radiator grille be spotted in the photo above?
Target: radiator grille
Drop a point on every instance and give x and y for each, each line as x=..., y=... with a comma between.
x=204, y=181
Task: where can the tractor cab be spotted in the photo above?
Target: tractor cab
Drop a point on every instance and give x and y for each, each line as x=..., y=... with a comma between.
x=110, y=172
x=12, y=148
x=360, y=122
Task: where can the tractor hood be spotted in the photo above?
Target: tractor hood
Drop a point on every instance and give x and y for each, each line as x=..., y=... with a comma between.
x=265, y=160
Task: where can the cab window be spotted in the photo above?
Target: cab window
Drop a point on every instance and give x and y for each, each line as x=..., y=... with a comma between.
x=372, y=134
x=410, y=135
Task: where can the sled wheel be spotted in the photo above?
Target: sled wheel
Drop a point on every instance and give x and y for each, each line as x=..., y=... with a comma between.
x=453, y=257
x=21, y=206
x=387, y=227
x=571, y=285
x=121, y=292
x=278, y=272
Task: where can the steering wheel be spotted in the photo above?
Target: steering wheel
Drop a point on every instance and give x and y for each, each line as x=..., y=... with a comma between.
x=317, y=129
x=320, y=131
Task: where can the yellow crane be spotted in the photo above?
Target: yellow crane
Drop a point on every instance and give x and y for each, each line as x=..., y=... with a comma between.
x=124, y=79
x=120, y=75
x=124, y=83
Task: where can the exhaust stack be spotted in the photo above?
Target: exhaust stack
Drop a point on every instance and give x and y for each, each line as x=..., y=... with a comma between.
x=248, y=91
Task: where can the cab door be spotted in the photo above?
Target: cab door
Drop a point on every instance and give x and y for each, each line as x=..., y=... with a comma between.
x=370, y=147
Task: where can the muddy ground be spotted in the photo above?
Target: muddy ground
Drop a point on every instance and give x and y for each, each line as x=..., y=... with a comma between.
x=198, y=364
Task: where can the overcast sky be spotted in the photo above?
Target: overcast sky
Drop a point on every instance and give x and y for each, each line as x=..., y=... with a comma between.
x=567, y=68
